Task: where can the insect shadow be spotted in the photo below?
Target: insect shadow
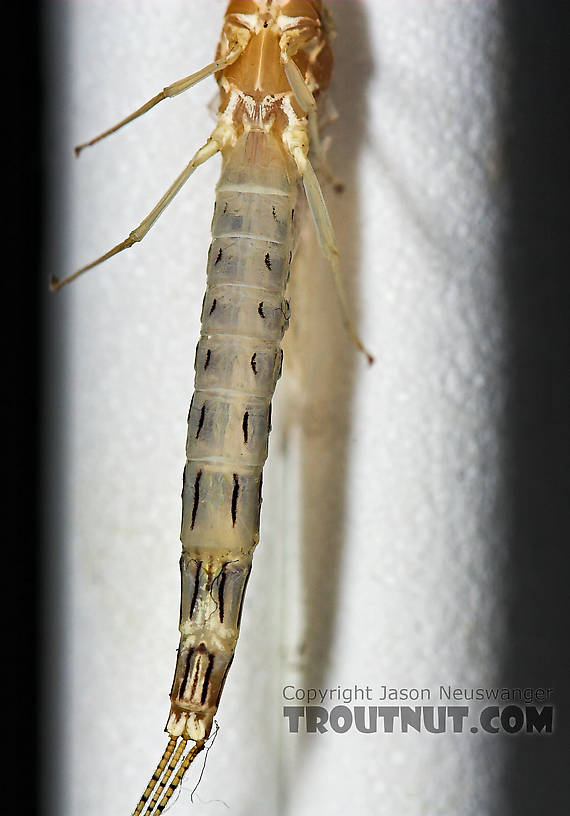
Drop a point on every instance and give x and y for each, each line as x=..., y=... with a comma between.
x=330, y=366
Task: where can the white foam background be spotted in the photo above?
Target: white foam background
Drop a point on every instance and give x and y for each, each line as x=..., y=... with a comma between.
x=412, y=473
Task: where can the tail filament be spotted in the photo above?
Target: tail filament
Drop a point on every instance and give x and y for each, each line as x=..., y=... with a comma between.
x=177, y=758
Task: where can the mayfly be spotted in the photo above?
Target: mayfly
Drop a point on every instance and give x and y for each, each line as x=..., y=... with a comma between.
x=273, y=62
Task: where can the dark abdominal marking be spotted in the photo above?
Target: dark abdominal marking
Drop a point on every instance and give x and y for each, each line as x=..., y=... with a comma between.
x=221, y=593
x=195, y=592
x=196, y=498
x=235, y=495
x=201, y=420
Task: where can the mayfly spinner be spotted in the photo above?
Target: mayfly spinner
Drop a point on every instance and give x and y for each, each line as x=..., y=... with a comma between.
x=273, y=62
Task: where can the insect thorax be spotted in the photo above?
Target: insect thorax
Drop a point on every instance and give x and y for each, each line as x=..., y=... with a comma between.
x=255, y=90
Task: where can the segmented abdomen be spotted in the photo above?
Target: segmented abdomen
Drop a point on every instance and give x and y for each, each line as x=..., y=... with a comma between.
x=238, y=362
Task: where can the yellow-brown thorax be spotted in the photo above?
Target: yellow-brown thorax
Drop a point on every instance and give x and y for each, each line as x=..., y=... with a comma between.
x=255, y=90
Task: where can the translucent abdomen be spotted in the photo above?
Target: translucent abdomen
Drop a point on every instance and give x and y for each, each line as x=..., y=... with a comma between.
x=238, y=362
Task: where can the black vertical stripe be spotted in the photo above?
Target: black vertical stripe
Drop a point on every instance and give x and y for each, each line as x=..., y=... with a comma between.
x=221, y=592
x=195, y=591
x=186, y=673
x=196, y=672
x=201, y=420
x=235, y=495
x=196, y=498
x=207, y=674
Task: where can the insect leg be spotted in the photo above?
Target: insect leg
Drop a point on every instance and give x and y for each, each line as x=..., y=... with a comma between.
x=307, y=102
x=176, y=88
x=326, y=238
x=212, y=146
